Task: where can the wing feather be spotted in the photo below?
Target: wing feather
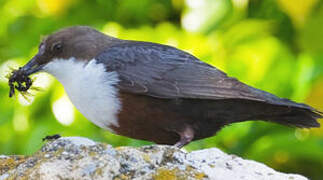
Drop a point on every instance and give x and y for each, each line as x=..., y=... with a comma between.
x=166, y=72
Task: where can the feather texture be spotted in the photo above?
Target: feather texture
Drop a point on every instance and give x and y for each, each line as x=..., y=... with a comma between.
x=165, y=72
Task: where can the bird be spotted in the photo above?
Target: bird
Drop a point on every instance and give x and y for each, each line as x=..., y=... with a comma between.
x=155, y=92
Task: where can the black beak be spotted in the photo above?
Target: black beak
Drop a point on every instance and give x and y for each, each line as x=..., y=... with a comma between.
x=32, y=66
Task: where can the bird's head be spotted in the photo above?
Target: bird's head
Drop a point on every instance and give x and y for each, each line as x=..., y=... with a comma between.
x=79, y=42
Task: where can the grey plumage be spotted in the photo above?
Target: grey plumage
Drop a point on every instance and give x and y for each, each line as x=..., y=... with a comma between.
x=165, y=72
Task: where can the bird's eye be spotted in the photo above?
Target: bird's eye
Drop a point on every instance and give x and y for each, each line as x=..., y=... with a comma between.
x=57, y=47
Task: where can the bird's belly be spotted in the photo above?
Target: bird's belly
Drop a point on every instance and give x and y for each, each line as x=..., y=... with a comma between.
x=161, y=120
x=148, y=118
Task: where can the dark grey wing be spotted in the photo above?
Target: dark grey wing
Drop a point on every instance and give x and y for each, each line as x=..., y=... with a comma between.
x=166, y=72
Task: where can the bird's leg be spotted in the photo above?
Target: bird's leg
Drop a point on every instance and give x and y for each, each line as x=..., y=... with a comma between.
x=186, y=136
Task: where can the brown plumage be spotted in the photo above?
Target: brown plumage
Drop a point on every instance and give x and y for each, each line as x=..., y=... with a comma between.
x=167, y=95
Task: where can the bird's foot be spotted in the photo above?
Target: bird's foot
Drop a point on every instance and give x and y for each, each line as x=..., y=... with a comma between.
x=186, y=136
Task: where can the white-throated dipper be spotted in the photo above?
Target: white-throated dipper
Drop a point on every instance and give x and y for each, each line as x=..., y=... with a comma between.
x=154, y=92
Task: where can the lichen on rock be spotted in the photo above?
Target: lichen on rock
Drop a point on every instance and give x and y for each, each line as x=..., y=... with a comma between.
x=81, y=158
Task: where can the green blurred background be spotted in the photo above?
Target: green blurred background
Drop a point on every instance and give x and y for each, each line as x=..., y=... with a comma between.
x=274, y=45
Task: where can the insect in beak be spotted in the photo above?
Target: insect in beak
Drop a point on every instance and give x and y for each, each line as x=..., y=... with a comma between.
x=19, y=79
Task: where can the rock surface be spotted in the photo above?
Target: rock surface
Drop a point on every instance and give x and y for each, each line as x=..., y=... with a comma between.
x=81, y=158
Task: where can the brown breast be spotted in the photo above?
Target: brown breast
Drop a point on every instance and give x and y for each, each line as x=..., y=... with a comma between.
x=147, y=118
x=160, y=120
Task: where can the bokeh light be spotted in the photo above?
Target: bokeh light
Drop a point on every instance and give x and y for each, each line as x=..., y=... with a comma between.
x=63, y=110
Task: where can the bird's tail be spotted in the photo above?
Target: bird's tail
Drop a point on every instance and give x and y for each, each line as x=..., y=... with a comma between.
x=281, y=111
x=299, y=117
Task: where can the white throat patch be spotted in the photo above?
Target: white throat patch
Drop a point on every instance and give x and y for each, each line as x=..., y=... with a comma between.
x=90, y=88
